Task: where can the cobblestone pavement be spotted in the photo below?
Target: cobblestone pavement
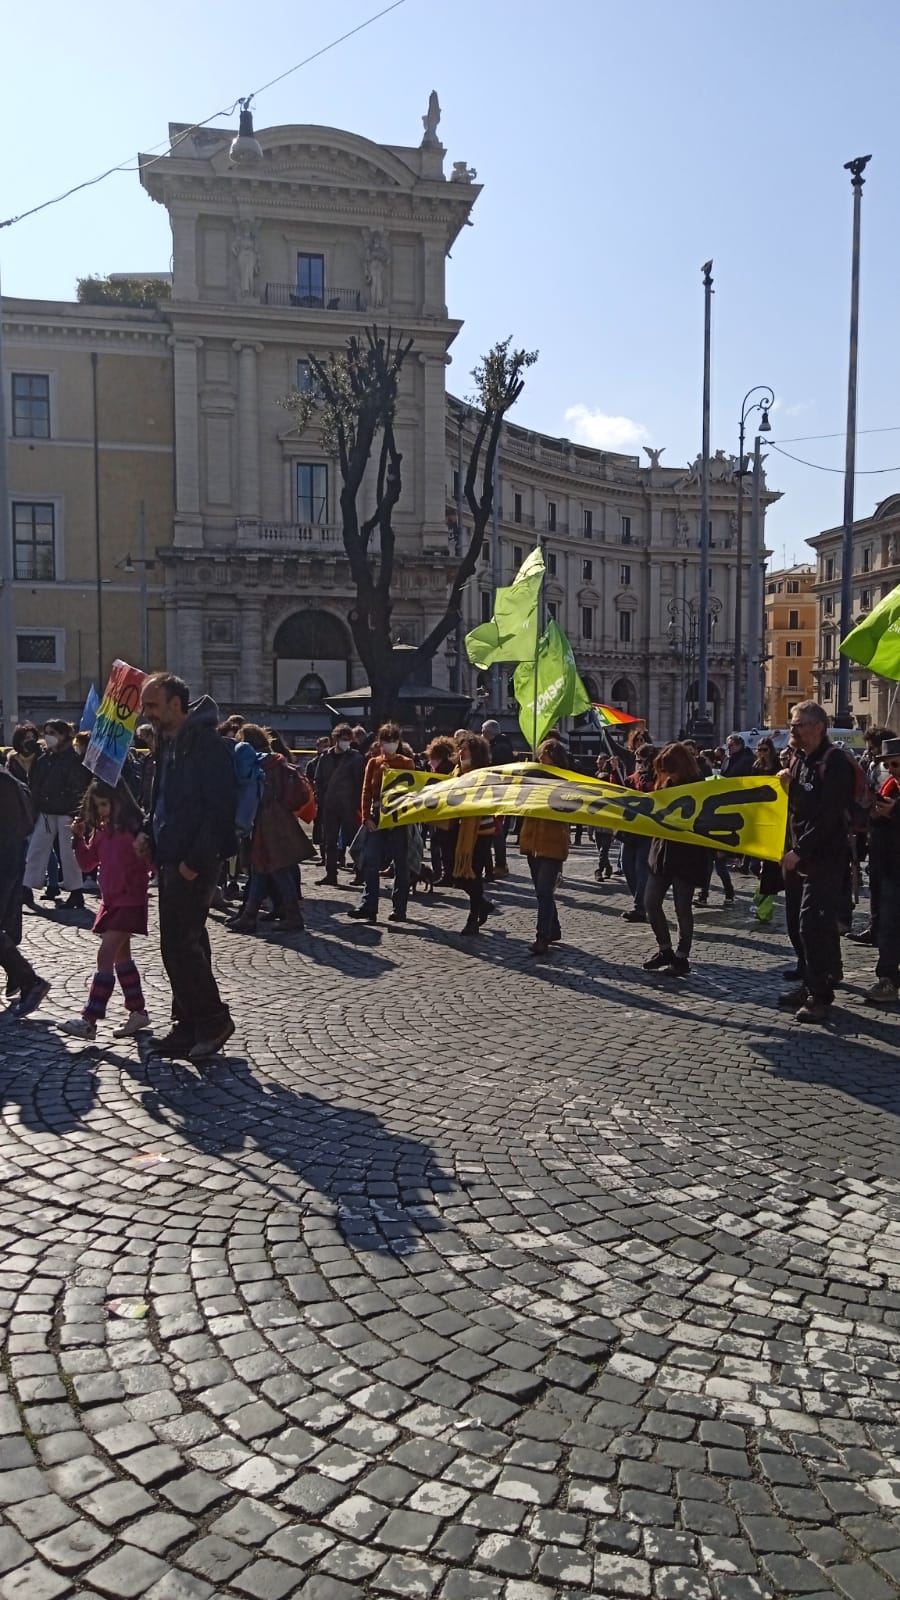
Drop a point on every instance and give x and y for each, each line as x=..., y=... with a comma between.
x=466, y=1276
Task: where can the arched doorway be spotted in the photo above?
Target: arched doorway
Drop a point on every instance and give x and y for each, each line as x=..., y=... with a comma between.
x=312, y=656
x=623, y=695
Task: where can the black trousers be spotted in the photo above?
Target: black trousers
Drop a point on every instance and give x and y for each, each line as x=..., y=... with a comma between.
x=184, y=945
x=342, y=819
x=12, y=867
x=812, y=904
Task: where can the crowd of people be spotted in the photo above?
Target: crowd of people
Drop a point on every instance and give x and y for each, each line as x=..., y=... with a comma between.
x=212, y=814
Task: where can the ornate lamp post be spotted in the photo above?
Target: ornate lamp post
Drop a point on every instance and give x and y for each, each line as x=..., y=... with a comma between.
x=764, y=404
x=685, y=635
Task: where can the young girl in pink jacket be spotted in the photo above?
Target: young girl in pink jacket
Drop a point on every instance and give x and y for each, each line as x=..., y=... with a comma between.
x=104, y=836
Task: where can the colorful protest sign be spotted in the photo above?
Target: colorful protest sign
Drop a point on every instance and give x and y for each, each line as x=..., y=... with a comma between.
x=746, y=815
x=116, y=721
x=91, y=707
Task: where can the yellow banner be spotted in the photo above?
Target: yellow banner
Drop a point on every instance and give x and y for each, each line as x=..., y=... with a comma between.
x=746, y=815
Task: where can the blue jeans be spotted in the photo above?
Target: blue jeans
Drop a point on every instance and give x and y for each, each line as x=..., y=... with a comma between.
x=282, y=883
x=380, y=849
x=635, y=858
x=889, y=930
x=544, y=873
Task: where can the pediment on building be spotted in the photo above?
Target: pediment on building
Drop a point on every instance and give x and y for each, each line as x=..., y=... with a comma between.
x=305, y=152
x=626, y=600
x=588, y=596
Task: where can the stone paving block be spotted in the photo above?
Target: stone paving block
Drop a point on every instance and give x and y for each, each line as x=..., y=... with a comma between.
x=127, y=1573
x=34, y=1581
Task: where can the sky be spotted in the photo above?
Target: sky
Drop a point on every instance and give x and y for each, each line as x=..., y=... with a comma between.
x=620, y=147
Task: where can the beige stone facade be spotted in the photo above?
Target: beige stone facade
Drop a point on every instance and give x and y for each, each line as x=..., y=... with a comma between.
x=876, y=571
x=249, y=590
x=89, y=420
x=790, y=614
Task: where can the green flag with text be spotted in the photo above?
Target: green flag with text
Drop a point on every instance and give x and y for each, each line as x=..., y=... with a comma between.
x=511, y=634
x=875, y=642
x=550, y=690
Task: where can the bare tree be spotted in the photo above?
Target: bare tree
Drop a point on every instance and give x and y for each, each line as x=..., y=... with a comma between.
x=353, y=396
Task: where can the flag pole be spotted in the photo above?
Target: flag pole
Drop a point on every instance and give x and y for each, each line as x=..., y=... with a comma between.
x=537, y=651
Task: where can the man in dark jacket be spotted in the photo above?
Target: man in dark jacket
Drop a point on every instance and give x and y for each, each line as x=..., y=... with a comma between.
x=339, y=780
x=190, y=831
x=820, y=788
x=57, y=780
x=738, y=761
x=16, y=819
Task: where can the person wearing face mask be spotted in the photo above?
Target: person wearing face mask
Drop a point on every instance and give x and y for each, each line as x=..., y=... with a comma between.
x=339, y=779
x=57, y=781
x=383, y=848
x=26, y=747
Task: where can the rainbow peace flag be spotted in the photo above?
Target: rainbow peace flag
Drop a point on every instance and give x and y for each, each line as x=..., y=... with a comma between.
x=609, y=717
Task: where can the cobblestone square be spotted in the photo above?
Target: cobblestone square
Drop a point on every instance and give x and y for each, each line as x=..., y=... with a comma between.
x=464, y=1275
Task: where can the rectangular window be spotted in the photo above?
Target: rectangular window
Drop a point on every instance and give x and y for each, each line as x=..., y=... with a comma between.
x=517, y=508
x=551, y=516
x=626, y=530
x=828, y=646
x=517, y=556
x=310, y=280
x=587, y=524
x=625, y=574
x=553, y=609
x=37, y=649
x=829, y=568
x=863, y=688
x=34, y=541
x=587, y=622
x=793, y=586
x=867, y=558
x=587, y=571
x=793, y=678
x=30, y=405
x=829, y=605
x=486, y=606
x=793, y=620
x=306, y=378
x=827, y=691
x=551, y=563
x=624, y=627
x=865, y=600
x=312, y=492
x=793, y=648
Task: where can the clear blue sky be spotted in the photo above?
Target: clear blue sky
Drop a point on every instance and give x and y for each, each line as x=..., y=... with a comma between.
x=619, y=146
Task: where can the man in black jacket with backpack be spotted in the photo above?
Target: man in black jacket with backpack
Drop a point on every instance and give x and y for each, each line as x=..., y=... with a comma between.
x=821, y=787
x=189, y=833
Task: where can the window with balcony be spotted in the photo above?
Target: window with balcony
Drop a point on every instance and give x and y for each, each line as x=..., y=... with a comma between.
x=625, y=574
x=587, y=523
x=34, y=541
x=30, y=405
x=863, y=688
x=587, y=571
x=625, y=528
x=551, y=516
x=587, y=622
x=793, y=678
x=551, y=563
x=310, y=280
x=793, y=647
x=624, y=627
x=517, y=508
x=312, y=492
x=793, y=620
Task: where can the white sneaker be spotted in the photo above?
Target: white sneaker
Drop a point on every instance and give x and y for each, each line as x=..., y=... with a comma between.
x=135, y=1021
x=79, y=1028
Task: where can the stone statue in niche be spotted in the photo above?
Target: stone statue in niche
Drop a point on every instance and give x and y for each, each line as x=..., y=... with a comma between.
x=463, y=173
x=247, y=257
x=431, y=119
x=377, y=257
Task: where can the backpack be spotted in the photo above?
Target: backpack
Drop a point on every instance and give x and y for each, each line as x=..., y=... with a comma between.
x=251, y=778
x=857, y=812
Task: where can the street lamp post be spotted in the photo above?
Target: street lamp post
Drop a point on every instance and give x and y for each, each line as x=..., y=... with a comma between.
x=9, y=658
x=702, y=665
x=763, y=405
x=844, y=718
x=687, y=635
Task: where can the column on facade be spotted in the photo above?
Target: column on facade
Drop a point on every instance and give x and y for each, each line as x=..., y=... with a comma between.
x=248, y=431
x=189, y=644
x=188, y=523
x=252, y=688
x=433, y=465
x=170, y=618
x=184, y=254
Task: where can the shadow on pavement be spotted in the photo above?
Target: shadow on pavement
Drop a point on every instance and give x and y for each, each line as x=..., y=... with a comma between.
x=36, y=1075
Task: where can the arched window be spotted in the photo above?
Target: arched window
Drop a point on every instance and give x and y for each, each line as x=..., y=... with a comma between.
x=312, y=657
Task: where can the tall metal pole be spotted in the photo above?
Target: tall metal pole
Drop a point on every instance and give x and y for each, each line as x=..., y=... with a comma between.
x=856, y=168
x=457, y=665
x=9, y=657
x=142, y=592
x=755, y=651
x=736, y=721
x=703, y=646
x=497, y=702
x=98, y=553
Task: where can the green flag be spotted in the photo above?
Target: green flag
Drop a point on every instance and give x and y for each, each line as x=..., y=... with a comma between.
x=560, y=691
x=511, y=634
x=875, y=642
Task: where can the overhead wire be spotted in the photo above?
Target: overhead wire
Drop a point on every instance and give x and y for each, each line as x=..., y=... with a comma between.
x=168, y=145
x=861, y=472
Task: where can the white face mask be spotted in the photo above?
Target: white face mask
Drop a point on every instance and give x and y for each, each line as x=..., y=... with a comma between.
x=389, y=747
x=343, y=744
x=51, y=740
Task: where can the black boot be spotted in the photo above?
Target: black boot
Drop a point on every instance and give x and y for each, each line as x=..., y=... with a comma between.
x=75, y=901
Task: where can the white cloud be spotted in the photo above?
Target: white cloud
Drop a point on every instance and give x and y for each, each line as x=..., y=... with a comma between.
x=603, y=432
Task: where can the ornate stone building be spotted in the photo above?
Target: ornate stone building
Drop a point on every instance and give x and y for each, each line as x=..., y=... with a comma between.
x=876, y=571
x=790, y=613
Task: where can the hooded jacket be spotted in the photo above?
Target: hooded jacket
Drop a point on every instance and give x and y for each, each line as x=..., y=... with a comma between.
x=57, y=780
x=194, y=793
